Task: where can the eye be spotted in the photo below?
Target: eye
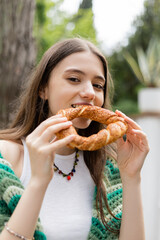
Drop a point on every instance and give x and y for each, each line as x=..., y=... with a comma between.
x=98, y=86
x=73, y=79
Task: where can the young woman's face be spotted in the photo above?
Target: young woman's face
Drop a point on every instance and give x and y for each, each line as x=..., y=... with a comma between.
x=77, y=80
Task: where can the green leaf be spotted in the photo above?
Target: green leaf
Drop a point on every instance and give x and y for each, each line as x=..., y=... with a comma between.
x=134, y=66
x=143, y=65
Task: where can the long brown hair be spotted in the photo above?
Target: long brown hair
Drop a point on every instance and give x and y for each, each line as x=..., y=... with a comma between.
x=33, y=110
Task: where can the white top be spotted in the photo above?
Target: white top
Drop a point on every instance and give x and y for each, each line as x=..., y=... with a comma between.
x=66, y=211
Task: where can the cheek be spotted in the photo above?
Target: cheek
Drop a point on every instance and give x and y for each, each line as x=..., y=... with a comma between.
x=53, y=103
x=100, y=100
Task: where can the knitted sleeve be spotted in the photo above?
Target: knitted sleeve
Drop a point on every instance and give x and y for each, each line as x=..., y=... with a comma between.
x=112, y=182
x=11, y=191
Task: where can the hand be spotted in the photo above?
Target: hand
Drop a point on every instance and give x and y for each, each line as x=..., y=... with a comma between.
x=132, y=152
x=42, y=144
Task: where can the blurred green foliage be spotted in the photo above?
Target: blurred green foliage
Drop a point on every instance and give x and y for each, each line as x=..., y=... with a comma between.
x=52, y=24
x=126, y=84
x=147, y=68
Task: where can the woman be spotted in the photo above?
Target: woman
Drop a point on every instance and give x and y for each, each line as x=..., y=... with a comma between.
x=72, y=72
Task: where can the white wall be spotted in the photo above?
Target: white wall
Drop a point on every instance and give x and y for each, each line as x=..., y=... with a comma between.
x=151, y=177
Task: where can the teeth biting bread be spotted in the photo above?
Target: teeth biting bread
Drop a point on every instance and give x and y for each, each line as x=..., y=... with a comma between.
x=116, y=127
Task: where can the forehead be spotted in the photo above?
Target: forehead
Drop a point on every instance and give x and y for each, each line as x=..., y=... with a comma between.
x=86, y=61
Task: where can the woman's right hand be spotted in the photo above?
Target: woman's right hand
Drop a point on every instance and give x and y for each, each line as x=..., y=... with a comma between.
x=42, y=145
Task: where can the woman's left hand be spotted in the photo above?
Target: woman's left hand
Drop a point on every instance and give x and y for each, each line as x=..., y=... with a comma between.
x=132, y=152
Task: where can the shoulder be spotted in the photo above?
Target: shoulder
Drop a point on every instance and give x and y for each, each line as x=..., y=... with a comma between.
x=12, y=151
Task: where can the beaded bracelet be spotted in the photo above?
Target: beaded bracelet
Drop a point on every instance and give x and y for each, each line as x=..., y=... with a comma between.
x=16, y=234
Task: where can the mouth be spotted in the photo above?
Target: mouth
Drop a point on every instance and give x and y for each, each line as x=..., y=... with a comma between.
x=78, y=105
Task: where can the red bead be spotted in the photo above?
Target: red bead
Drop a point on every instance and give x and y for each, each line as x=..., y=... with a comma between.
x=71, y=173
x=60, y=172
x=68, y=178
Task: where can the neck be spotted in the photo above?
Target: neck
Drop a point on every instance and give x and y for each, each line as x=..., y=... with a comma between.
x=65, y=151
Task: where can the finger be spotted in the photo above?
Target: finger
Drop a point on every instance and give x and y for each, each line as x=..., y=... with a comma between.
x=48, y=122
x=49, y=133
x=141, y=135
x=130, y=121
x=59, y=143
x=143, y=141
x=139, y=139
x=120, y=142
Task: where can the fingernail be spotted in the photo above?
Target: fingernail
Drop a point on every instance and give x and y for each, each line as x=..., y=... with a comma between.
x=71, y=137
x=117, y=111
x=69, y=123
x=64, y=118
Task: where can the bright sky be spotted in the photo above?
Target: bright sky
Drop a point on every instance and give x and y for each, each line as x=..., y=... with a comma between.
x=113, y=19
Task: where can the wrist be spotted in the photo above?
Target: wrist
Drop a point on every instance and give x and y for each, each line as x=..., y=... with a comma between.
x=38, y=184
x=131, y=180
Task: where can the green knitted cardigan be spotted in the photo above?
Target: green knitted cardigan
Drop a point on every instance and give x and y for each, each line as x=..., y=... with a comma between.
x=11, y=190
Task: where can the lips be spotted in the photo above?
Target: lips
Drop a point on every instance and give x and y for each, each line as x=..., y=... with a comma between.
x=80, y=104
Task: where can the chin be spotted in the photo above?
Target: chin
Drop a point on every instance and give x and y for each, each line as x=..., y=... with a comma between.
x=81, y=123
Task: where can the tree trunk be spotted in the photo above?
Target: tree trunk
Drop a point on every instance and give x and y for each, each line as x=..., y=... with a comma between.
x=17, y=50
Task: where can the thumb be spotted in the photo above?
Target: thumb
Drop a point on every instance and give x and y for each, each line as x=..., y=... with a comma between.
x=121, y=141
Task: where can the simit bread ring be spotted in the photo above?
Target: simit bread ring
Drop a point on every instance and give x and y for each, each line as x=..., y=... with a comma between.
x=116, y=127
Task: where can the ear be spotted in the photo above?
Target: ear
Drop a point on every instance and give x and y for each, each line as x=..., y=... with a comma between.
x=43, y=93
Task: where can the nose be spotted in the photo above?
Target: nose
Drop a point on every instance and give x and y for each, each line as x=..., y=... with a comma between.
x=87, y=91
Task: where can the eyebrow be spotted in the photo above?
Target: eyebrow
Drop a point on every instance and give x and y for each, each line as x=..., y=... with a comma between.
x=81, y=72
